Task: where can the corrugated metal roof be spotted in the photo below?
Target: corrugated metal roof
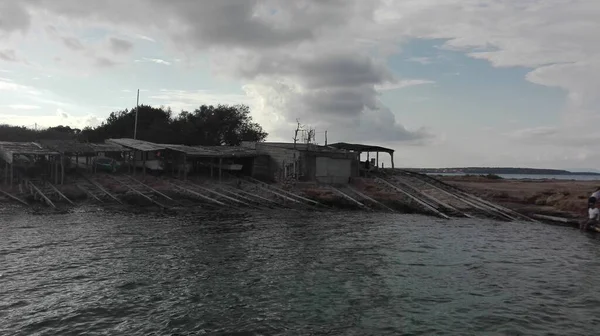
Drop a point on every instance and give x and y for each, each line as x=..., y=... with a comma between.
x=139, y=145
x=212, y=151
x=8, y=149
x=68, y=146
x=361, y=147
x=108, y=148
x=232, y=151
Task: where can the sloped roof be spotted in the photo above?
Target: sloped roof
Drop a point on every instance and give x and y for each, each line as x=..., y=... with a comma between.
x=8, y=149
x=361, y=147
x=108, y=148
x=140, y=145
x=67, y=146
x=213, y=151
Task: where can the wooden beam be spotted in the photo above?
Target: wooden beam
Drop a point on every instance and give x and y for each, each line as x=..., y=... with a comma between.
x=350, y=198
x=149, y=187
x=184, y=166
x=220, y=169
x=59, y=193
x=62, y=169
x=89, y=193
x=424, y=204
x=285, y=191
x=13, y=197
x=41, y=194
x=97, y=185
x=197, y=194
x=392, y=157
x=370, y=199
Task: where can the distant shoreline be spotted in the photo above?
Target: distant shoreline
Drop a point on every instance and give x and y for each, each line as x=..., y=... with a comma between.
x=500, y=171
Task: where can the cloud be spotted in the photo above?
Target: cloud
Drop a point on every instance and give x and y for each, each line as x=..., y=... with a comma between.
x=58, y=118
x=326, y=61
x=8, y=55
x=13, y=16
x=9, y=85
x=104, y=62
x=421, y=60
x=153, y=60
x=403, y=84
x=119, y=46
x=190, y=100
x=73, y=43
x=24, y=107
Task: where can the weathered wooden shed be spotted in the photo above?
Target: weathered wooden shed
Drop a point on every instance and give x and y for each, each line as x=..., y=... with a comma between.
x=24, y=154
x=304, y=162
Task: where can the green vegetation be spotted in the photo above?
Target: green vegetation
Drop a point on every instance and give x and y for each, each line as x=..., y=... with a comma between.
x=207, y=125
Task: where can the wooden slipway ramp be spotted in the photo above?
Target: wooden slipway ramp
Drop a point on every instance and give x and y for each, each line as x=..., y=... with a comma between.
x=444, y=200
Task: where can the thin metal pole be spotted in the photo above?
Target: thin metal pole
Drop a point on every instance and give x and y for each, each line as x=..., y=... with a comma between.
x=137, y=108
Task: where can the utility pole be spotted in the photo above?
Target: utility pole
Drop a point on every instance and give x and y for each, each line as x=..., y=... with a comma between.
x=137, y=108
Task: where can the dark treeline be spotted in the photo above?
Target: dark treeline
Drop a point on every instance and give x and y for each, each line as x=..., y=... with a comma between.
x=207, y=125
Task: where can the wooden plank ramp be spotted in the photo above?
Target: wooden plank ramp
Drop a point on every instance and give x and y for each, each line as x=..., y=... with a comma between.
x=419, y=201
x=432, y=198
x=369, y=198
x=264, y=199
x=307, y=200
x=101, y=188
x=36, y=191
x=149, y=187
x=341, y=193
x=89, y=193
x=59, y=193
x=139, y=192
x=508, y=213
x=198, y=195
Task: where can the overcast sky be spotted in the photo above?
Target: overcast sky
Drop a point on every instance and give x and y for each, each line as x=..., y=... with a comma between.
x=444, y=82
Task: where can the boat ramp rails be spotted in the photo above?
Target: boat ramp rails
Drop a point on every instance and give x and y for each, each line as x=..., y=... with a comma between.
x=412, y=192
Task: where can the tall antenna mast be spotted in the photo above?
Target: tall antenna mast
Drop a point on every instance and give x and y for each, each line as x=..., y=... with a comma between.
x=137, y=108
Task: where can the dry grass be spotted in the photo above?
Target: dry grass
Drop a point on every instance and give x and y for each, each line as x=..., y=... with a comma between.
x=560, y=195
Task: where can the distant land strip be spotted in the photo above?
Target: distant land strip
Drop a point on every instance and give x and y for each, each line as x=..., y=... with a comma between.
x=498, y=171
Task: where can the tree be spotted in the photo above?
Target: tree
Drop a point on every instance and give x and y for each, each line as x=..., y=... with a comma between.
x=207, y=125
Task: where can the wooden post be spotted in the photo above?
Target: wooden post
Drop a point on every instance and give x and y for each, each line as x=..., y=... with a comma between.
x=134, y=153
x=220, y=169
x=62, y=169
x=184, y=166
x=392, y=156
x=12, y=170
x=55, y=171
x=377, y=159
x=173, y=163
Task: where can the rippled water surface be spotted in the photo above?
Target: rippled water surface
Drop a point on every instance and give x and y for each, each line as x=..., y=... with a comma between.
x=290, y=273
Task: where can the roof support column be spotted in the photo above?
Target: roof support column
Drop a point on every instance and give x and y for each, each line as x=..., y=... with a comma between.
x=392, y=156
x=185, y=167
x=62, y=169
x=220, y=169
x=12, y=170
